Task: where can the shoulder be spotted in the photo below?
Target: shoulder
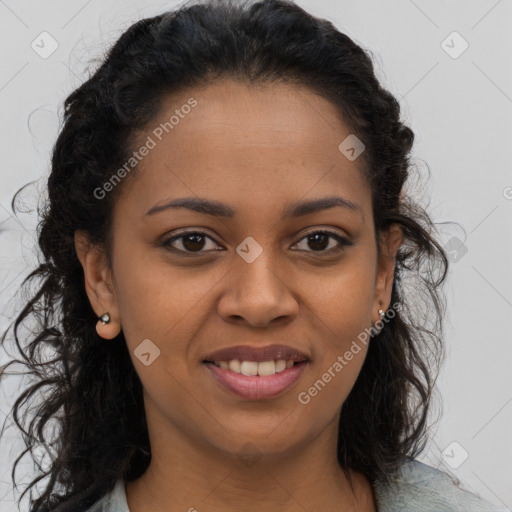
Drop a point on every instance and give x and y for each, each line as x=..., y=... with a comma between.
x=113, y=501
x=429, y=489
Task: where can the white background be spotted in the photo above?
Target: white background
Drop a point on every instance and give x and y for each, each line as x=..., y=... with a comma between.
x=460, y=110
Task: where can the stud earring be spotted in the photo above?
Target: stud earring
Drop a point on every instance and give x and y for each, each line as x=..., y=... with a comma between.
x=382, y=316
x=105, y=328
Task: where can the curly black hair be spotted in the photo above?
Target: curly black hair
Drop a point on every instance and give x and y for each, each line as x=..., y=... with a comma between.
x=93, y=400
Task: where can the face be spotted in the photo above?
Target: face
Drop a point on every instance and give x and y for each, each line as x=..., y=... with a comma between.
x=265, y=272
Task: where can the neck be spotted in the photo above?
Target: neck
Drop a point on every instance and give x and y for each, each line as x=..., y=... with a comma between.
x=185, y=475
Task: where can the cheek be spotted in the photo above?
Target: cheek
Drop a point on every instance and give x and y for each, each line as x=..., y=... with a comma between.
x=340, y=356
x=344, y=298
x=157, y=300
x=341, y=308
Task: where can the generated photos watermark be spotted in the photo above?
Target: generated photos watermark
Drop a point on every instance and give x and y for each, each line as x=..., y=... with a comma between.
x=158, y=133
x=304, y=397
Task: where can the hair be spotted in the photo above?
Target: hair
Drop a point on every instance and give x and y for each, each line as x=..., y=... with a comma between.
x=93, y=400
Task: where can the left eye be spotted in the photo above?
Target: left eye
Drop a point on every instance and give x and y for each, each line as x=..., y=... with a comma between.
x=317, y=240
x=194, y=241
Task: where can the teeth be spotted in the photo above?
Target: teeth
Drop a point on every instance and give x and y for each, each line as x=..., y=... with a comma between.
x=234, y=365
x=267, y=368
x=251, y=368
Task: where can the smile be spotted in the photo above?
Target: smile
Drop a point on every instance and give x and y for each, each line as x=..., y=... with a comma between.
x=256, y=380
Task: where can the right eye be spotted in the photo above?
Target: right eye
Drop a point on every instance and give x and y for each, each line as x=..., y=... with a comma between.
x=190, y=241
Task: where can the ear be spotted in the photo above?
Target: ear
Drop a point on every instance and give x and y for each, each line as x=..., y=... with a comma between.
x=390, y=241
x=98, y=283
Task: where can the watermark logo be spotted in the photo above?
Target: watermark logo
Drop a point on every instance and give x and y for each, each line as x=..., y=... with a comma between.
x=249, y=454
x=147, y=352
x=455, y=455
x=44, y=45
x=351, y=147
x=454, y=45
x=249, y=249
x=455, y=249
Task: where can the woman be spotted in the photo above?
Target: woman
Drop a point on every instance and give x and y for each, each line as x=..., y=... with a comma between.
x=235, y=284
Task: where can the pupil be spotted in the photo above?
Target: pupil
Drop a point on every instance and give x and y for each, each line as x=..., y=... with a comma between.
x=192, y=247
x=315, y=238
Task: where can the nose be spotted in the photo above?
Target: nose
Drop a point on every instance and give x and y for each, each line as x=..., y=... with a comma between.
x=258, y=293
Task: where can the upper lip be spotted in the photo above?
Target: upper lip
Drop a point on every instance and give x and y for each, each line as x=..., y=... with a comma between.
x=258, y=354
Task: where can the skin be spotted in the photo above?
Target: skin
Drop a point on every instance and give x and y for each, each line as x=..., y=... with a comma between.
x=257, y=149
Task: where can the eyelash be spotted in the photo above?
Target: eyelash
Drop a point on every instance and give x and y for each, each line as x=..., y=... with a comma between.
x=343, y=242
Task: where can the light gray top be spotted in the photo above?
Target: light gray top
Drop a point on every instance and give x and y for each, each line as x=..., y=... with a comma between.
x=418, y=487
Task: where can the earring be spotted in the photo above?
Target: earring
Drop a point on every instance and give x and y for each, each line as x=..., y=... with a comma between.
x=109, y=332
x=382, y=316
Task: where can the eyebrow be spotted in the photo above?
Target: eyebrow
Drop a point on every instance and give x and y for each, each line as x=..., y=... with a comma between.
x=218, y=209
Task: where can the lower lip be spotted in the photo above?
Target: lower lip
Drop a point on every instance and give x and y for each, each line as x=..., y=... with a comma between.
x=256, y=387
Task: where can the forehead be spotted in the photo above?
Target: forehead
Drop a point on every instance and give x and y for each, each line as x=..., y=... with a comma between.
x=260, y=115
x=246, y=144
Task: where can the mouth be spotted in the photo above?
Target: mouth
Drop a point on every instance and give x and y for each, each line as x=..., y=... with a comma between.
x=256, y=373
